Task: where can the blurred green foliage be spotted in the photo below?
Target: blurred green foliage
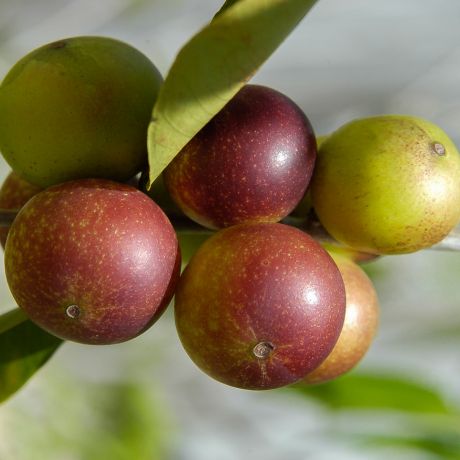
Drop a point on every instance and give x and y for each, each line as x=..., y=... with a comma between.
x=24, y=348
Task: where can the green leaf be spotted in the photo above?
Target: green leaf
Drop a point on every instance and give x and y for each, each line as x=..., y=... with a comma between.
x=24, y=348
x=443, y=445
x=84, y=420
x=212, y=67
x=357, y=391
x=134, y=425
x=226, y=5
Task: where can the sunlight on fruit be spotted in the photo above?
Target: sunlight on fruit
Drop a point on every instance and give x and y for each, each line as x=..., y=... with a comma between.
x=73, y=113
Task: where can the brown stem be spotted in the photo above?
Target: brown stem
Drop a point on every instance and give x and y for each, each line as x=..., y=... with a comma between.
x=450, y=243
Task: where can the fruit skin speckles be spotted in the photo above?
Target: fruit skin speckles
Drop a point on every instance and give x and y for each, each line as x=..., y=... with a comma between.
x=259, y=305
x=251, y=163
x=120, y=268
x=380, y=186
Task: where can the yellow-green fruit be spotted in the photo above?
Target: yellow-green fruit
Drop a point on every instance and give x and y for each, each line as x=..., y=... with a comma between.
x=77, y=108
x=388, y=184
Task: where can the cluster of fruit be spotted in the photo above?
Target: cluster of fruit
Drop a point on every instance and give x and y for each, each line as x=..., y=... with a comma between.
x=91, y=257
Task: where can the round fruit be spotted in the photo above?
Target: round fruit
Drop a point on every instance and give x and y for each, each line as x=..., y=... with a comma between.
x=251, y=163
x=78, y=108
x=14, y=194
x=359, y=327
x=388, y=184
x=92, y=261
x=259, y=305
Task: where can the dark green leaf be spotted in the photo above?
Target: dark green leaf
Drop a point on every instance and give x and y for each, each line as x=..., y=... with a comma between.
x=357, y=391
x=24, y=348
x=212, y=67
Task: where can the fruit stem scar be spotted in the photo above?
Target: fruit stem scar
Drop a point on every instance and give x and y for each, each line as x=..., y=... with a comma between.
x=263, y=350
x=438, y=148
x=73, y=311
x=58, y=44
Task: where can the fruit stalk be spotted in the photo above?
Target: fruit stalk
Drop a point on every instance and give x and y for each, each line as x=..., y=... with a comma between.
x=450, y=243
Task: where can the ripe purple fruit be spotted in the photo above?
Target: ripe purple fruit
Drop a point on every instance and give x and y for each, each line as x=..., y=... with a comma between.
x=251, y=163
x=259, y=306
x=92, y=261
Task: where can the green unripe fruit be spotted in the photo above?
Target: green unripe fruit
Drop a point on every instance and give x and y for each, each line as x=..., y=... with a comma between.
x=77, y=108
x=388, y=184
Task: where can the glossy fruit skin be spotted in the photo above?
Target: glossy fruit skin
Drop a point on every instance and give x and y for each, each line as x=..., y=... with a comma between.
x=99, y=245
x=388, y=184
x=360, y=325
x=251, y=163
x=14, y=194
x=259, y=306
x=78, y=108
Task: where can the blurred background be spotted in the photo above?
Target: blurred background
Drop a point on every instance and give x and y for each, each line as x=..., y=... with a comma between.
x=145, y=400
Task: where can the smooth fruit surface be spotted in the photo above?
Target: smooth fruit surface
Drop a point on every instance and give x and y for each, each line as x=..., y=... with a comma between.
x=251, y=163
x=359, y=327
x=388, y=184
x=14, y=194
x=259, y=305
x=78, y=108
x=92, y=261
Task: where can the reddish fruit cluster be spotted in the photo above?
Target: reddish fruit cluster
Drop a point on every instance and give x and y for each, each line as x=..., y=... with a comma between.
x=260, y=305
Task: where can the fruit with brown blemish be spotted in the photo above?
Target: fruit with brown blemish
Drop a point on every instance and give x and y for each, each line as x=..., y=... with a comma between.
x=251, y=163
x=388, y=184
x=259, y=305
x=359, y=327
x=78, y=108
x=14, y=194
x=92, y=261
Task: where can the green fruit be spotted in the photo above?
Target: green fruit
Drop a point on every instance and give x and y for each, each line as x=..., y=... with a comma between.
x=77, y=108
x=360, y=325
x=388, y=184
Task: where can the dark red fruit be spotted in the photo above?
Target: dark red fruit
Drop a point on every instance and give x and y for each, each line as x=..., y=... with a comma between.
x=260, y=305
x=92, y=261
x=14, y=194
x=251, y=163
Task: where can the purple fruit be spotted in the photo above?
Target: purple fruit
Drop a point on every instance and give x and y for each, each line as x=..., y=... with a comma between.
x=92, y=261
x=251, y=163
